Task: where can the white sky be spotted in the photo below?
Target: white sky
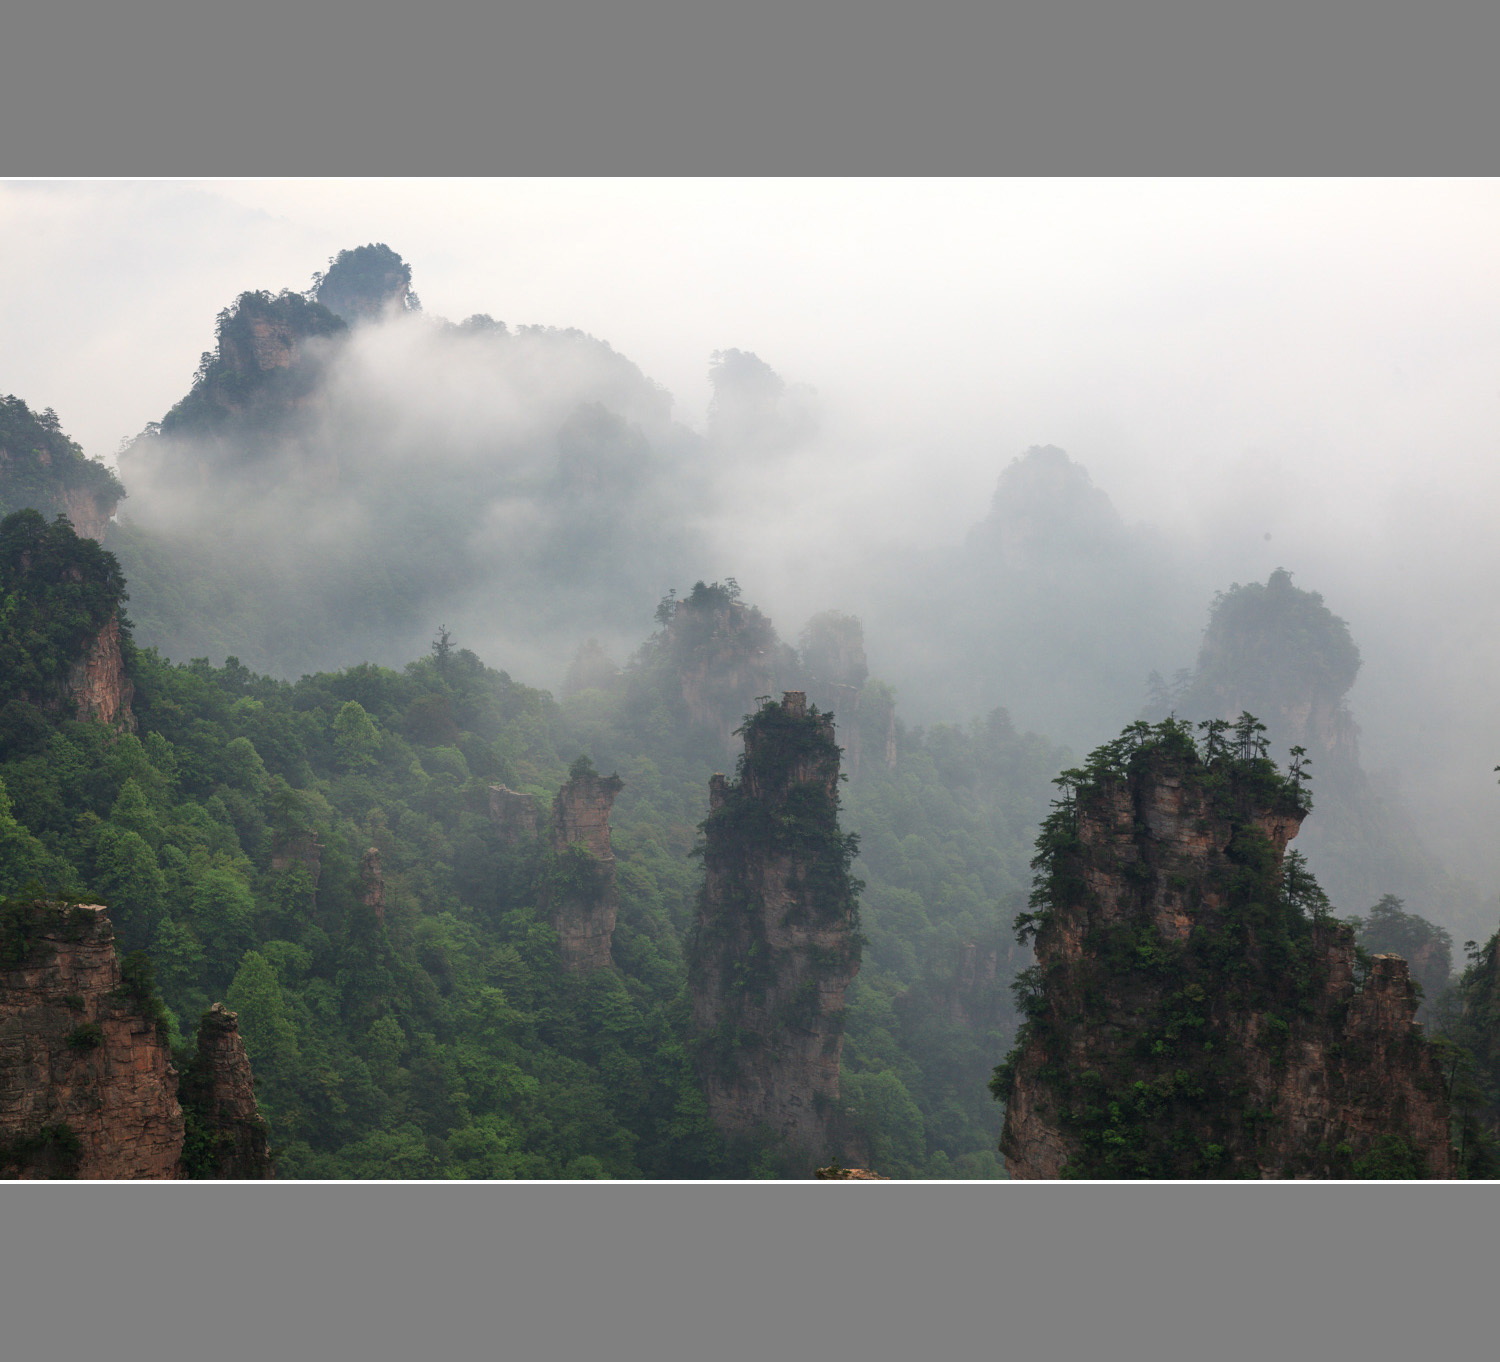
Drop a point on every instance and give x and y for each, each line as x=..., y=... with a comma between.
x=1163, y=332
x=1314, y=361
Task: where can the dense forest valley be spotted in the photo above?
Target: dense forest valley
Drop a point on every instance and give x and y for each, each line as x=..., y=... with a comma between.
x=710, y=903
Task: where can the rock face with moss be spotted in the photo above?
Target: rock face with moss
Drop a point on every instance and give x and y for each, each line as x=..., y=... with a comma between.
x=776, y=943
x=87, y=1087
x=226, y=1135
x=1278, y=651
x=580, y=883
x=515, y=815
x=725, y=654
x=1195, y=1010
x=41, y=468
x=62, y=650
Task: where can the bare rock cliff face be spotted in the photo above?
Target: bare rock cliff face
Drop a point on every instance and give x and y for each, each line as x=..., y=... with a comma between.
x=221, y=1091
x=89, y=511
x=580, y=891
x=87, y=1087
x=515, y=815
x=775, y=945
x=1190, y=1018
x=97, y=683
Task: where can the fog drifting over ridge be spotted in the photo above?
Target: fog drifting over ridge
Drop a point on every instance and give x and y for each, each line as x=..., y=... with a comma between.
x=1256, y=374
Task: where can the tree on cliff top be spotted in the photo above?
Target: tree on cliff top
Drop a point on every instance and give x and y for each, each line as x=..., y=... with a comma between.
x=57, y=591
x=1139, y=1105
x=40, y=466
x=1428, y=948
x=359, y=284
x=1270, y=647
x=254, y=371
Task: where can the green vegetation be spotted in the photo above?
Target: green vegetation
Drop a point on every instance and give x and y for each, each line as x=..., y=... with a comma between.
x=88, y=1036
x=1465, y=1019
x=1268, y=645
x=41, y=469
x=239, y=377
x=226, y=836
x=53, y=1151
x=1143, y=1112
x=1389, y=929
x=57, y=591
x=359, y=283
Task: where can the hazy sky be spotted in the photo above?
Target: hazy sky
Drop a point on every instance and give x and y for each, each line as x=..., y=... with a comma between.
x=1166, y=333
x=1297, y=373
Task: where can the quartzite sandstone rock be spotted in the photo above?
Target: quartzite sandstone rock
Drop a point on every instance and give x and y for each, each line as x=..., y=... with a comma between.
x=581, y=891
x=76, y=1055
x=372, y=883
x=1321, y=1074
x=221, y=1091
x=775, y=945
x=97, y=683
x=515, y=815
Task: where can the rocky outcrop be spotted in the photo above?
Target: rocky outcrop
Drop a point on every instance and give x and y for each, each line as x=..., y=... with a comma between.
x=89, y=509
x=1280, y=653
x=365, y=284
x=1195, y=1010
x=218, y=1092
x=87, y=1087
x=725, y=654
x=834, y=1173
x=969, y=993
x=580, y=885
x=41, y=468
x=97, y=683
x=514, y=815
x=775, y=942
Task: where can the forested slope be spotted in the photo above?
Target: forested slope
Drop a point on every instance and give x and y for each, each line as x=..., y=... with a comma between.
x=432, y=1031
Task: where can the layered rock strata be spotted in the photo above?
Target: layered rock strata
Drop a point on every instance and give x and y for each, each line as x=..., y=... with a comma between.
x=775, y=943
x=1196, y=1011
x=87, y=1087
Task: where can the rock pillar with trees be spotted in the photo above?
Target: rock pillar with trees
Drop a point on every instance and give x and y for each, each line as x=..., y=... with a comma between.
x=776, y=940
x=579, y=885
x=1195, y=1010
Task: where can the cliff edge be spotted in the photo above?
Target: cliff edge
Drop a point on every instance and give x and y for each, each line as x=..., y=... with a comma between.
x=87, y=1086
x=1195, y=1011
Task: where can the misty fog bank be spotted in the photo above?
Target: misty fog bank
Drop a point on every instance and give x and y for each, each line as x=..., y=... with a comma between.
x=533, y=486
